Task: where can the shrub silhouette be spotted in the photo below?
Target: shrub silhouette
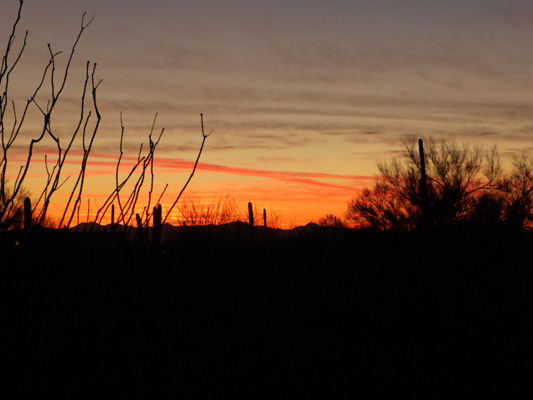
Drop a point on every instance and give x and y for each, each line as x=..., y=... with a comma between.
x=12, y=120
x=463, y=184
x=12, y=212
x=331, y=220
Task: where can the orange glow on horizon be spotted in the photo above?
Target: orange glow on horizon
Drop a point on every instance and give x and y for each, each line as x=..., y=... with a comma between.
x=296, y=198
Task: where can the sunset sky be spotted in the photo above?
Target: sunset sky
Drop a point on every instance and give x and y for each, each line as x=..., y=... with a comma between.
x=303, y=97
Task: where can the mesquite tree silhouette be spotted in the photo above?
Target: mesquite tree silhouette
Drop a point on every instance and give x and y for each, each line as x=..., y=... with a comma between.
x=441, y=183
x=331, y=220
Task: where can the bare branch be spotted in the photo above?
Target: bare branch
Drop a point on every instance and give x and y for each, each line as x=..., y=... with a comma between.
x=204, y=137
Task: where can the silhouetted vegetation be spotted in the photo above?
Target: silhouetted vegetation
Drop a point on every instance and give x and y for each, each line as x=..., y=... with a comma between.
x=332, y=220
x=449, y=185
x=12, y=121
x=318, y=308
x=227, y=301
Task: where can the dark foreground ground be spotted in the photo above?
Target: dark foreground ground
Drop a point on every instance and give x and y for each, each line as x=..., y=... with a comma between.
x=311, y=312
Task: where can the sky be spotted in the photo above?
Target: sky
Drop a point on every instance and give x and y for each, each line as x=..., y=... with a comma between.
x=303, y=98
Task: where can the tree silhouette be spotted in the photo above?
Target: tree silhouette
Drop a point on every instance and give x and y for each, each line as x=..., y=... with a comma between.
x=331, y=220
x=461, y=181
x=517, y=188
x=53, y=81
x=13, y=119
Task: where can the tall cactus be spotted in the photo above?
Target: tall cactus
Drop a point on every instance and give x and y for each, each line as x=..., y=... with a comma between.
x=112, y=218
x=265, y=228
x=250, y=215
x=140, y=233
x=27, y=214
x=251, y=231
x=157, y=227
x=423, y=189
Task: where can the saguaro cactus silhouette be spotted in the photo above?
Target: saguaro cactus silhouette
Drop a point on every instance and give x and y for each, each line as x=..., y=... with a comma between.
x=250, y=221
x=140, y=232
x=27, y=214
x=265, y=229
x=112, y=218
x=250, y=215
x=157, y=227
x=423, y=188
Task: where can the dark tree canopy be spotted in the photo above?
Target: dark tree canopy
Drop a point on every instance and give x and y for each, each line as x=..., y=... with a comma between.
x=463, y=184
x=331, y=220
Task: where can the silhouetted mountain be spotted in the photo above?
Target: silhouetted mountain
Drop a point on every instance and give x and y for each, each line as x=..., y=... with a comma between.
x=87, y=227
x=235, y=230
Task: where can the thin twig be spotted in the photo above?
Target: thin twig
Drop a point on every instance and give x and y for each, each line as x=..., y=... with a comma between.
x=204, y=137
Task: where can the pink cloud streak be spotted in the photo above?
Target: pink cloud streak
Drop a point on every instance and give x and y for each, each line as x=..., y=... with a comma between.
x=306, y=178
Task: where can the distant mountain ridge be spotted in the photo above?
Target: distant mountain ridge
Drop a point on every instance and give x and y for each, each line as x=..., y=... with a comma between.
x=234, y=229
